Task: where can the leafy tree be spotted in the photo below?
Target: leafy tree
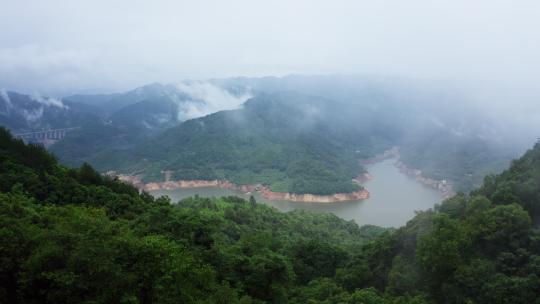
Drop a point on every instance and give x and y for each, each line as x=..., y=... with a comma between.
x=441, y=251
x=313, y=259
x=502, y=227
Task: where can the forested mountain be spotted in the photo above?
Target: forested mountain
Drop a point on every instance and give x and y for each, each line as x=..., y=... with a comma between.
x=479, y=248
x=439, y=131
x=191, y=98
x=135, y=116
x=329, y=122
x=123, y=129
x=110, y=103
x=351, y=117
x=461, y=159
x=25, y=113
x=70, y=235
x=284, y=140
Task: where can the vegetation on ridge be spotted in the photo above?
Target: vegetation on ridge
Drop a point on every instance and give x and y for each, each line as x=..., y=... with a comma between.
x=71, y=235
x=272, y=141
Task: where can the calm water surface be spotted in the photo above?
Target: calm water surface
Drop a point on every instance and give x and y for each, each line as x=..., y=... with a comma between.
x=394, y=198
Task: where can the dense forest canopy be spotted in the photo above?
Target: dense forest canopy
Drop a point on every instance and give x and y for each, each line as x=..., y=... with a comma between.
x=72, y=235
x=271, y=140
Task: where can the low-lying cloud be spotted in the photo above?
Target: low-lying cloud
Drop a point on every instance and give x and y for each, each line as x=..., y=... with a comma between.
x=48, y=101
x=4, y=96
x=59, y=48
x=207, y=98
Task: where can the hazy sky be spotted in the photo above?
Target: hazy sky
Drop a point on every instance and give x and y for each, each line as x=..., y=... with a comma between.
x=60, y=47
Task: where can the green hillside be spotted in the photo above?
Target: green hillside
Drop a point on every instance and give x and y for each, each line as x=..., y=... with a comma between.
x=70, y=235
x=297, y=134
x=122, y=130
x=477, y=248
x=286, y=141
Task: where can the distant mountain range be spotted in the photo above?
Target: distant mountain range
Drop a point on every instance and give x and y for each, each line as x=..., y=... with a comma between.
x=26, y=113
x=301, y=134
x=186, y=100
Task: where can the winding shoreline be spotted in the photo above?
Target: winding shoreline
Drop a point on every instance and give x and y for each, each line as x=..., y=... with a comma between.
x=264, y=191
x=444, y=187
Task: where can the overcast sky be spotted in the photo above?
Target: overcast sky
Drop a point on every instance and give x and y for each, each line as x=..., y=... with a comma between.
x=60, y=47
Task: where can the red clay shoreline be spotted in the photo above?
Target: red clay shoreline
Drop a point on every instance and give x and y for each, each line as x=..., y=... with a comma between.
x=264, y=191
x=443, y=186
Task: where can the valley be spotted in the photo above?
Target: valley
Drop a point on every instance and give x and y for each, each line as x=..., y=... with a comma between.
x=385, y=206
x=261, y=190
x=294, y=138
x=75, y=219
x=352, y=191
x=270, y=152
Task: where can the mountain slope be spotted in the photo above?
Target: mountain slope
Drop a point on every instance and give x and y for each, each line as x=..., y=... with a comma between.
x=519, y=184
x=443, y=138
x=481, y=248
x=439, y=131
x=192, y=98
x=286, y=141
x=121, y=130
x=71, y=236
x=25, y=113
x=135, y=116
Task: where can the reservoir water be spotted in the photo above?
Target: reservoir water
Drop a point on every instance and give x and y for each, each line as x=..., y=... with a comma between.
x=394, y=198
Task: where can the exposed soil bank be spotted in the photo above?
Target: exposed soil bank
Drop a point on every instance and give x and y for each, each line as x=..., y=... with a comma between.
x=247, y=189
x=441, y=185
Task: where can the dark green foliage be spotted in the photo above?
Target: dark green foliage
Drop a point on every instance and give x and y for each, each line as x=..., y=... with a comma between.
x=441, y=251
x=519, y=184
x=303, y=142
x=71, y=235
x=272, y=141
x=481, y=248
x=314, y=258
x=340, y=118
x=122, y=130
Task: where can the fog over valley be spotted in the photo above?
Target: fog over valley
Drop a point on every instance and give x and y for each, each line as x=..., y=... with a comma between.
x=253, y=152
